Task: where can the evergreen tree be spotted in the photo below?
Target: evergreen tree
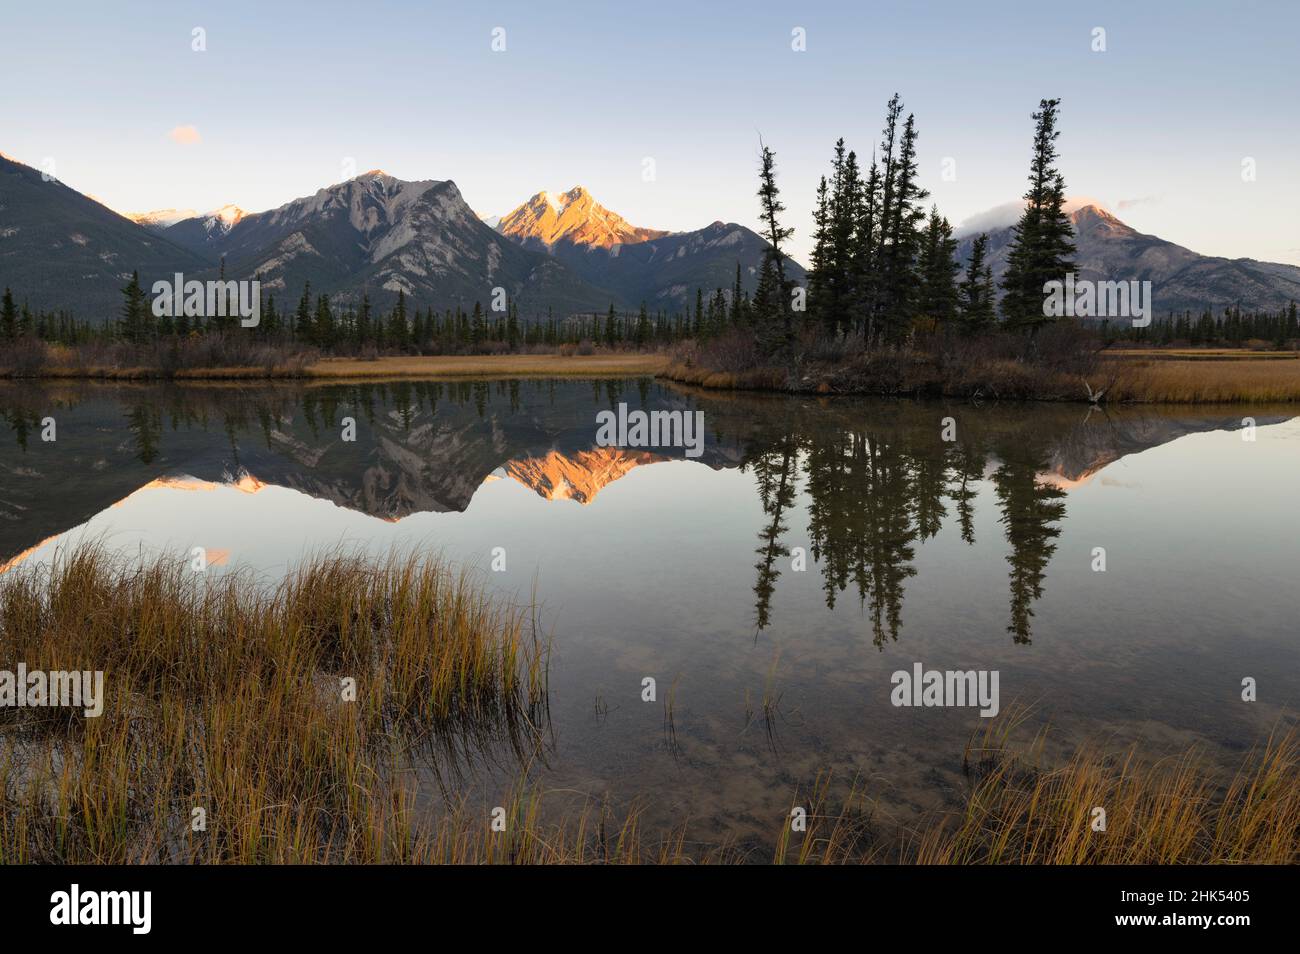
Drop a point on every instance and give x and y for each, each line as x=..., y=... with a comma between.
x=478, y=329
x=975, y=295
x=399, y=332
x=365, y=333
x=135, y=311
x=864, y=255
x=820, y=257
x=269, y=327
x=845, y=205
x=774, y=318
x=611, y=327
x=641, y=333
x=302, y=326
x=512, y=326
x=1042, y=246
x=323, y=324
x=938, y=271
x=8, y=316
x=900, y=231
x=736, y=317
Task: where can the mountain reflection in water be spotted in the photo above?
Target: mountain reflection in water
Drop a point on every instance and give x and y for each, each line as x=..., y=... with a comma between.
x=815, y=547
x=878, y=477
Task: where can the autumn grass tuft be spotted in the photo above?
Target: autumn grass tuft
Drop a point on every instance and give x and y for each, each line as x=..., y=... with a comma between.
x=1205, y=380
x=231, y=702
x=1171, y=811
x=296, y=718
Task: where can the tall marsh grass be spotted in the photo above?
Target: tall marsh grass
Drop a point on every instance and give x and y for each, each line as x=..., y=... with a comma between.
x=225, y=697
x=1171, y=811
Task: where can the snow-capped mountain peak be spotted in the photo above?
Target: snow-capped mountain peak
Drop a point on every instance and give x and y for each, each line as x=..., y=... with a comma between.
x=224, y=218
x=160, y=218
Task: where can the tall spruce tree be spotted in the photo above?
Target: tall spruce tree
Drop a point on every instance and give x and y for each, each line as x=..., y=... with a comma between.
x=512, y=326
x=1042, y=246
x=845, y=200
x=135, y=311
x=399, y=332
x=865, y=260
x=901, y=234
x=975, y=294
x=818, y=272
x=8, y=316
x=773, y=316
x=938, y=268
x=302, y=323
x=478, y=326
x=323, y=325
x=365, y=332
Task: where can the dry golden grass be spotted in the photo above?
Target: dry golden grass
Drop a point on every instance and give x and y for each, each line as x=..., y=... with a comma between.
x=495, y=365
x=1206, y=354
x=1174, y=811
x=1202, y=381
x=225, y=695
x=248, y=373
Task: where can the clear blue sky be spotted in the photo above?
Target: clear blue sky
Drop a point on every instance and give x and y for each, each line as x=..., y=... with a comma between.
x=1156, y=127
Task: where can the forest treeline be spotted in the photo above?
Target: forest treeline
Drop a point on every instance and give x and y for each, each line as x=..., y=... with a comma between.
x=883, y=272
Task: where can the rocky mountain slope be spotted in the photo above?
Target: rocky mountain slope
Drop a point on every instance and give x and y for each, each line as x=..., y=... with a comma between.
x=662, y=269
x=60, y=249
x=1110, y=250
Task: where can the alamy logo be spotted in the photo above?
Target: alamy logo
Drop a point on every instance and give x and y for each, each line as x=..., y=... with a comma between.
x=1083, y=298
x=213, y=299
x=37, y=688
x=103, y=907
x=651, y=429
x=946, y=688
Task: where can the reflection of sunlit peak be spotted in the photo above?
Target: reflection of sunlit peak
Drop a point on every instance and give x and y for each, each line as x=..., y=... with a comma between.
x=245, y=483
x=1061, y=482
x=20, y=557
x=579, y=476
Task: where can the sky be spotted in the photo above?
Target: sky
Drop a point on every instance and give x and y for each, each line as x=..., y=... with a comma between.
x=657, y=108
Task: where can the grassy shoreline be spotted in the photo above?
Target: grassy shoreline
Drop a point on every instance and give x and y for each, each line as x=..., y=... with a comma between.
x=433, y=366
x=1139, y=376
x=223, y=695
x=1122, y=379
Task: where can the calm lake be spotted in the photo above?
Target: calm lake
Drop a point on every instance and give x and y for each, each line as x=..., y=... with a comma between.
x=770, y=586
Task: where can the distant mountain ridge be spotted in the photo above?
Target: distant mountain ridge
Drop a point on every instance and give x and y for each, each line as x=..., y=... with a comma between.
x=160, y=219
x=1109, y=250
x=200, y=233
x=661, y=268
x=60, y=249
x=558, y=254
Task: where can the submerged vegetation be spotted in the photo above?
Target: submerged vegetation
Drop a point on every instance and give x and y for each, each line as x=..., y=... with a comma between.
x=227, y=701
x=1174, y=811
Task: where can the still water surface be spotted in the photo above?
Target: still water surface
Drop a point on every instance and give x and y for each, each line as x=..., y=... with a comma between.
x=975, y=553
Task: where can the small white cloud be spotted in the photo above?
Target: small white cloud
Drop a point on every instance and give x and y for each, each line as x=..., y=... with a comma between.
x=1131, y=203
x=185, y=135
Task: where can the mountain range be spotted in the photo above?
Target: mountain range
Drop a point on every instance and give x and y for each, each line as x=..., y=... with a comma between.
x=562, y=253
x=416, y=453
x=1108, y=250
x=374, y=234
